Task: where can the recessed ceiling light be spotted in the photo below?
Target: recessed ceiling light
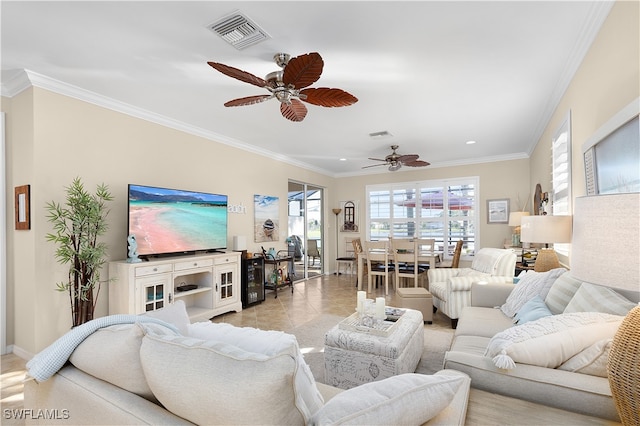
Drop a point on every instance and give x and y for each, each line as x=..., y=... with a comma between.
x=343, y=159
x=470, y=142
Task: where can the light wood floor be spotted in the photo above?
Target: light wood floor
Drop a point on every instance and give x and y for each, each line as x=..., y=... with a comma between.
x=334, y=295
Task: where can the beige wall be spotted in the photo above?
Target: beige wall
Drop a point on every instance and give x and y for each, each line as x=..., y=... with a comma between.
x=607, y=80
x=503, y=179
x=52, y=138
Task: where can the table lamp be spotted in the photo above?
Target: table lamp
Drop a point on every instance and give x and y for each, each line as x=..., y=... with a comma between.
x=515, y=220
x=546, y=230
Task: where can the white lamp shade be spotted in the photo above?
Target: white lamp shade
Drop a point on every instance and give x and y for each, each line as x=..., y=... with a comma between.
x=546, y=229
x=515, y=218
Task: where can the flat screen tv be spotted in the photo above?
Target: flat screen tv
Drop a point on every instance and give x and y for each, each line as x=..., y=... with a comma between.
x=171, y=221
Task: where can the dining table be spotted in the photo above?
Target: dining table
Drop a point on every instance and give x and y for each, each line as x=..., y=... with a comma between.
x=432, y=257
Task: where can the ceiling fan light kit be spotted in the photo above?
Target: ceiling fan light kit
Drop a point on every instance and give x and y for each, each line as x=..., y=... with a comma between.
x=289, y=85
x=395, y=161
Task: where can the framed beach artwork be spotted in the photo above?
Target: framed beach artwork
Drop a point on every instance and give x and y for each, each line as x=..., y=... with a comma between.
x=498, y=211
x=266, y=224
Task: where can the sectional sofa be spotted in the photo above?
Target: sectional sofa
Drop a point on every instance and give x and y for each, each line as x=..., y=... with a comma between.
x=162, y=370
x=557, y=351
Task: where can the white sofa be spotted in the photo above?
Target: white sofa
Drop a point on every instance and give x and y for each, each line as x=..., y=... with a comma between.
x=451, y=287
x=557, y=360
x=172, y=372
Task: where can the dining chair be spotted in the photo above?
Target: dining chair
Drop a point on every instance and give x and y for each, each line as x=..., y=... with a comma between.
x=349, y=257
x=455, y=260
x=405, y=260
x=313, y=252
x=377, y=253
x=357, y=250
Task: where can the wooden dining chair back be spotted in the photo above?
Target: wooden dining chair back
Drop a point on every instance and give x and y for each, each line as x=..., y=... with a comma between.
x=377, y=253
x=405, y=261
x=349, y=258
x=357, y=251
x=455, y=260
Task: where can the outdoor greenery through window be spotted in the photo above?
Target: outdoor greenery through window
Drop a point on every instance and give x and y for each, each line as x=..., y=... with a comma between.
x=445, y=210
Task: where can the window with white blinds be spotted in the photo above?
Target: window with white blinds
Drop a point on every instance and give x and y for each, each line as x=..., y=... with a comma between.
x=561, y=175
x=446, y=210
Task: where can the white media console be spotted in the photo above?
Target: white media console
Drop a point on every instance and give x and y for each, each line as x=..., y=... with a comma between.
x=135, y=288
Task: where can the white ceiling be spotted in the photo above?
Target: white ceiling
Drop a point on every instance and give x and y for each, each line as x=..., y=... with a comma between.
x=433, y=74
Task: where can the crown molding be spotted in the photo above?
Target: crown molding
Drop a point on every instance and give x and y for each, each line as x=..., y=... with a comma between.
x=24, y=79
x=597, y=15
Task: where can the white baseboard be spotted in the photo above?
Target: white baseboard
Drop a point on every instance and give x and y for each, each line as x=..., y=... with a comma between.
x=20, y=352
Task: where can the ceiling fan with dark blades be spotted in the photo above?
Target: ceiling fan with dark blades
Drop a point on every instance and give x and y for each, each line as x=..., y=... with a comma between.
x=395, y=161
x=289, y=85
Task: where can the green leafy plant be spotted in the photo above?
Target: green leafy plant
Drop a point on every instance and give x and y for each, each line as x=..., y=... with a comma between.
x=76, y=228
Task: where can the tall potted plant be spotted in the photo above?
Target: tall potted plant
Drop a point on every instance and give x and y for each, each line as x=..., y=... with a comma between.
x=77, y=226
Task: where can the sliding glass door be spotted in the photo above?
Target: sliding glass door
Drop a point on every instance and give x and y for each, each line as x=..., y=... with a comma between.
x=305, y=235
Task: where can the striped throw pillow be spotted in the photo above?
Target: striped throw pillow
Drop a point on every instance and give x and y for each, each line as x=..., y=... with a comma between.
x=595, y=298
x=561, y=293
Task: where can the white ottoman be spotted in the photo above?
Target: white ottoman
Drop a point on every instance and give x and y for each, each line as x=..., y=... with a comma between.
x=352, y=358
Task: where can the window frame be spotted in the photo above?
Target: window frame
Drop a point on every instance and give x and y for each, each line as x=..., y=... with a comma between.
x=561, y=176
x=446, y=220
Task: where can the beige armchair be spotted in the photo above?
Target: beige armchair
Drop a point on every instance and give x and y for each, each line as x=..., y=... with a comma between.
x=451, y=287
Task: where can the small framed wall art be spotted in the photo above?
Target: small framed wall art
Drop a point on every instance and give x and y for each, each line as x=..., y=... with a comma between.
x=23, y=209
x=498, y=211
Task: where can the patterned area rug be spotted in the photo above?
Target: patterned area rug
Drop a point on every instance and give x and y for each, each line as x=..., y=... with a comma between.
x=310, y=336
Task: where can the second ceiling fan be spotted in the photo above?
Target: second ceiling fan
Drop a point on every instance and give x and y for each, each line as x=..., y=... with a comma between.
x=289, y=85
x=395, y=161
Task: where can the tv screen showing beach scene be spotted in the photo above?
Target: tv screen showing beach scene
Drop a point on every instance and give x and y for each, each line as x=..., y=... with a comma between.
x=174, y=221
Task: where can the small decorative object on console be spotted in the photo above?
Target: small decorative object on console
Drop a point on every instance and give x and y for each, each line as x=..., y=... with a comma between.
x=186, y=287
x=133, y=250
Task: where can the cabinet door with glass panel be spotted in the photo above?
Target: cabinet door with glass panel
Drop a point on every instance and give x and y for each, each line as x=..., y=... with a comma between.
x=155, y=292
x=227, y=284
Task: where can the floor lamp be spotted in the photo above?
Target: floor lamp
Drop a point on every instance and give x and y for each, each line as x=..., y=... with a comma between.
x=337, y=212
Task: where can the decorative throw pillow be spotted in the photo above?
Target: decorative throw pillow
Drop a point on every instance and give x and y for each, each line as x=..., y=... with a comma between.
x=406, y=399
x=595, y=298
x=268, y=342
x=112, y=354
x=561, y=293
x=175, y=314
x=532, y=310
x=218, y=383
x=531, y=285
x=592, y=361
x=550, y=341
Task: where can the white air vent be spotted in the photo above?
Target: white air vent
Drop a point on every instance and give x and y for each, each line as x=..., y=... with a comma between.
x=239, y=31
x=380, y=135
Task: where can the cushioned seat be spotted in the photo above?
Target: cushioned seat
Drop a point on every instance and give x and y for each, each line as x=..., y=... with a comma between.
x=451, y=287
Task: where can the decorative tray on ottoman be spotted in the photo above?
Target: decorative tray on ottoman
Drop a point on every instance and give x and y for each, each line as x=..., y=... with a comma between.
x=379, y=328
